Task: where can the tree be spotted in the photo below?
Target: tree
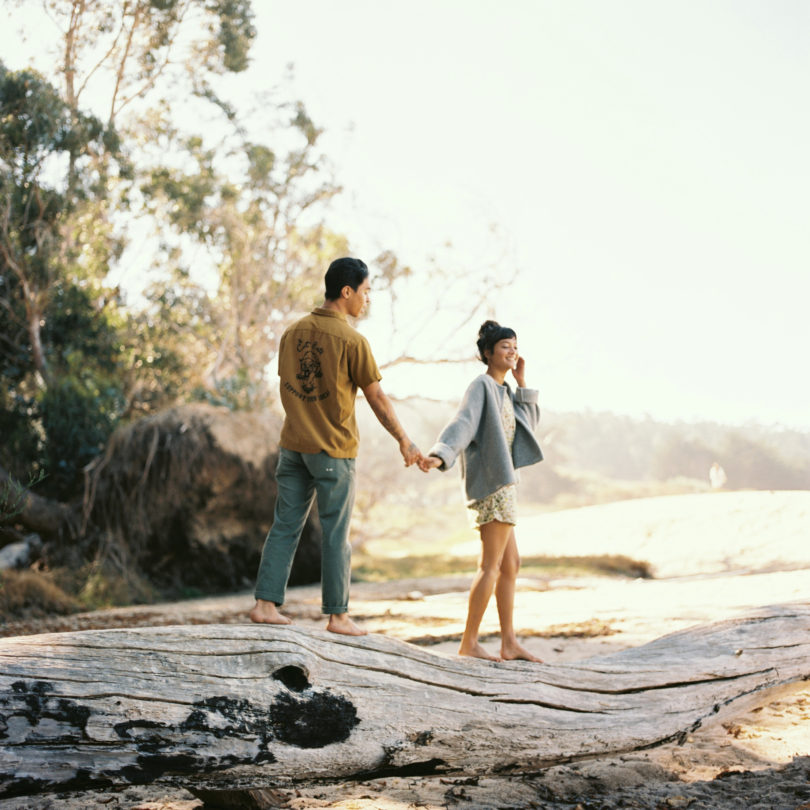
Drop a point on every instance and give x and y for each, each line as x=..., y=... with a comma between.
x=63, y=181
x=129, y=48
x=227, y=710
x=258, y=214
x=66, y=185
x=58, y=347
x=63, y=341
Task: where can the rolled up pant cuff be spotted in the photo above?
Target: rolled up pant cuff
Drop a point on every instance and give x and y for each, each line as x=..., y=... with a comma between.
x=269, y=597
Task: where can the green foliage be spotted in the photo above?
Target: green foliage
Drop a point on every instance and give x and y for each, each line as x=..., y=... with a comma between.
x=255, y=210
x=20, y=447
x=13, y=495
x=78, y=415
x=235, y=209
x=70, y=357
x=36, y=128
x=35, y=121
x=59, y=350
x=235, y=33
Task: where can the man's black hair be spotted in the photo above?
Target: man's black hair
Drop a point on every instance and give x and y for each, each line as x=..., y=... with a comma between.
x=342, y=273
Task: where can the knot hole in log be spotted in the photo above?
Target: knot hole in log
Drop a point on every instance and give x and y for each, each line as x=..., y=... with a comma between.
x=293, y=677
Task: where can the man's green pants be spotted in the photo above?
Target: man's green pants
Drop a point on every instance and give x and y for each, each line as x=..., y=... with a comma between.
x=301, y=477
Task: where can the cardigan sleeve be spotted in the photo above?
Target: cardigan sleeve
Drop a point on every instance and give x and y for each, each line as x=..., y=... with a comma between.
x=461, y=429
x=526, y=400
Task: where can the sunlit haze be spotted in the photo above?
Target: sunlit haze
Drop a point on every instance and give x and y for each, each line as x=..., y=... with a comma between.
x=642, y=165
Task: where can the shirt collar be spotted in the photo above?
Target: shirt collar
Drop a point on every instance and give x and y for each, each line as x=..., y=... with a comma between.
x=329, y=313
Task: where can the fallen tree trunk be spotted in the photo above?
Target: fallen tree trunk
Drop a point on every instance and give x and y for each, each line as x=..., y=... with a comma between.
x=238, y=707
x=36, y=513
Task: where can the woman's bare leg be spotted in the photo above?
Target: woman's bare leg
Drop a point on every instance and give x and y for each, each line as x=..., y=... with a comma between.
x=511, y=649
x=494, y=537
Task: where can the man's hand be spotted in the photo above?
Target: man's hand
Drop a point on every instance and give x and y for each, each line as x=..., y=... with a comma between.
x=410, y=452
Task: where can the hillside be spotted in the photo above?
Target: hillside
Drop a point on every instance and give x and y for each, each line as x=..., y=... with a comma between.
x=595, y=458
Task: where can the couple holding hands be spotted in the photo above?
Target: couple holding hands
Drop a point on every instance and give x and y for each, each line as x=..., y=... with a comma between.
x=322, y=361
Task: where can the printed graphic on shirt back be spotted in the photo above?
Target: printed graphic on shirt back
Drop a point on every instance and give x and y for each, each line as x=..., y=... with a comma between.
x=309, y=364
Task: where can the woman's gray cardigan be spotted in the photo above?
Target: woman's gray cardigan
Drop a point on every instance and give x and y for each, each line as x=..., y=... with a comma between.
x=476, y=432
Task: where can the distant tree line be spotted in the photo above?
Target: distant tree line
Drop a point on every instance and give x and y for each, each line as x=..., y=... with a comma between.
x=622, y=448
x=592, y=457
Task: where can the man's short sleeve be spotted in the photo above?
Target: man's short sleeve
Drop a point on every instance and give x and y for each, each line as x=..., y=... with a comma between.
x=362, y=366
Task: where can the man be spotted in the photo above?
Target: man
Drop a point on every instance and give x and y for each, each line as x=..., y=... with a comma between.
x=322, y=361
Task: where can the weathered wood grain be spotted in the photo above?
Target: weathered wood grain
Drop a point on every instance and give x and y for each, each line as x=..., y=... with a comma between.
x=247, y=706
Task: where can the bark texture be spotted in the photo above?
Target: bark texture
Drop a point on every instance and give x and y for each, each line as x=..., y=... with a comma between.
x=249, y=707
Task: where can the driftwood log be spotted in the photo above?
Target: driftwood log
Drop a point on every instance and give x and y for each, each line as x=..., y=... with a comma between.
x=248, y=707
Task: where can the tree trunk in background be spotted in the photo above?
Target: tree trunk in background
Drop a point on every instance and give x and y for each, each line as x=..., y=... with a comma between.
x=38, y=514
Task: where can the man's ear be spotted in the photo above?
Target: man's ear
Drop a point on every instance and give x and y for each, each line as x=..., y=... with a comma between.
x=346, y=291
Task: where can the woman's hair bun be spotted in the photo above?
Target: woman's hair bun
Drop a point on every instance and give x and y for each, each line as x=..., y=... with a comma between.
x=487, y=327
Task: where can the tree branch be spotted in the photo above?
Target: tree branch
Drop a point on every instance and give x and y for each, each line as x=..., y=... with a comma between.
x=408, y=359
x=37, y=513
x=106, y=56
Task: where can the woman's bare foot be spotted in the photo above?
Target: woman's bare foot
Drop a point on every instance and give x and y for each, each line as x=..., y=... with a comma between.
x=516, y=652
x=476, y=651
x=267, y=613
x=341, y=623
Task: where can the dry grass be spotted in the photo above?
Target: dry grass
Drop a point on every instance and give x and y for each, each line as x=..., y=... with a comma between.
x=29, y=594
x=367, y=568
x=612, y=565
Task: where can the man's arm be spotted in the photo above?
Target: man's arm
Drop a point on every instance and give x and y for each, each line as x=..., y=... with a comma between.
x=384, y=411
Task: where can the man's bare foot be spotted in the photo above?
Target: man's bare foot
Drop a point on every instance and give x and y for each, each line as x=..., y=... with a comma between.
x=341, y=623
x=267, y=613
x=516, y=652
x=476, y=651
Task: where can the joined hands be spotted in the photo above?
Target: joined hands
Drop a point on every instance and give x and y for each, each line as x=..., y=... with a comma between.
x=410, y=452
x=428, y=463
x=412, y=455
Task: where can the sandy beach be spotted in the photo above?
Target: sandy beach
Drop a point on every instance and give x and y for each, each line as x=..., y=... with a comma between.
x=714, y=556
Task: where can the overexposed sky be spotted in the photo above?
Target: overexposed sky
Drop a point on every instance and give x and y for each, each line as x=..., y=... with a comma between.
x=645, y=163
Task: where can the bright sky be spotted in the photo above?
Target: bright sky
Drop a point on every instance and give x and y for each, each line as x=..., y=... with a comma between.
x=645, y=163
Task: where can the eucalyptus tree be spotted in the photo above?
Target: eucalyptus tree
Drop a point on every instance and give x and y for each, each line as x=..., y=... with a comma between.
x=58, y=348
x=66, y=184
x=255, y=217
x=232, y=218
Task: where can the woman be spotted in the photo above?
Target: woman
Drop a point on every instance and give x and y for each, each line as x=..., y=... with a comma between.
x=493, y=432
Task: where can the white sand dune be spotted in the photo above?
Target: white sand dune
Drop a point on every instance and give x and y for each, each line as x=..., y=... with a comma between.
x=680, y=535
